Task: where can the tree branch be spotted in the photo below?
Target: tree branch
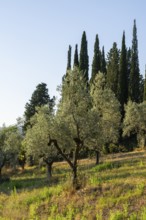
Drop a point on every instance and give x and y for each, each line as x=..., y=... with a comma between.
x=54, y=141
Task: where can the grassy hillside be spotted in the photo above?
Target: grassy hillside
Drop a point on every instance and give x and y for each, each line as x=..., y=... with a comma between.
x=114, y=190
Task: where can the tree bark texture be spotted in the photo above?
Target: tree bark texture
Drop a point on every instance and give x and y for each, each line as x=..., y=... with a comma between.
x=97, y=157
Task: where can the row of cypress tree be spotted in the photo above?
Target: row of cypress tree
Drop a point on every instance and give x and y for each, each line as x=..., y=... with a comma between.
x=121, y=75
x=121, y=67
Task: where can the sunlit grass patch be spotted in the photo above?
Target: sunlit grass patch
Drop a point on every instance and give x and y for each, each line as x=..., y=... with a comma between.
x=115, y=189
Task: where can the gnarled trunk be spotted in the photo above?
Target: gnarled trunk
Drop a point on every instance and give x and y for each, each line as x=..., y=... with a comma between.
x=72, y=164
x=97, y=154
x=74, y=177
x=49, y=170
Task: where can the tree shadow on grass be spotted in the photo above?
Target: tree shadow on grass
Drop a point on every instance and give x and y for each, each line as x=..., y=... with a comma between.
x=128, y=155
x=27, y=184
x=124, y=176
x=85, y=167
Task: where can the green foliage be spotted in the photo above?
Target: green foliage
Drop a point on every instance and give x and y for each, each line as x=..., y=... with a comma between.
x=84, y=60
x=107, y=106
x=39, y=98
x=96, y=64
x=10, y=145
x=143, y=214
x=123, y=75
x=106, y=166
x=84, y=120
x=144, y=94
x=134, y=80
x=117, y=215
x=113, y=69
x=135, y=121
x=74, y=118
x=69, y=58
x=75, y=125
x=76, y=59
x=141, y=88
x=103, y=62
x=37, y=136
x=33, y=211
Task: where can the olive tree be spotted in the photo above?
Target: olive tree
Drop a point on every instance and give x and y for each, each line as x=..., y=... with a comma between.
x=10, y=146
x=135, y=121
x=108, y=108
x=75, y=123
x=36, y=138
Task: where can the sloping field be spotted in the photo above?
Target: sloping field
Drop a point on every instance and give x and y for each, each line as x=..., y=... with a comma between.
x=114, y=190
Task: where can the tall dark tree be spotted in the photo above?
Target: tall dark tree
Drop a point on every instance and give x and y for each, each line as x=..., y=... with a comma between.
x=103, y=61
x=128, y=66
x=134, y=80
x=69, y=58
x=144, y=94
x=84, y=59
x=39, y=98
x=76, y=59
x=96, y=64
x=123, y=75
x=113, y=69
x=141, y=88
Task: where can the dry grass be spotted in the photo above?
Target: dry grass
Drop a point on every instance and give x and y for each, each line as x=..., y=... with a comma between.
x=113, y=190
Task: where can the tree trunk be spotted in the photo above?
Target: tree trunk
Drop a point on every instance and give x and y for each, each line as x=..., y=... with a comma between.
x=1, y=166
x=74, y=167
x=0, y=173
x=74, y=179
x=22, y=161
x=49, y=170
x=97, y=157
x=30, y=161
x=22, y=166
x=72, y=164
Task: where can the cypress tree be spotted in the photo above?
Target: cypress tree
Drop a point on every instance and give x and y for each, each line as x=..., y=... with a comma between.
x=96, y=64
x=84, y=60
x=134, y=80
x=123, y=75
x=141, y=88
x=69, y=58
x=103, y=61
x=113, y=69
x=76, y=59
x=128, y=66
x=144, y=94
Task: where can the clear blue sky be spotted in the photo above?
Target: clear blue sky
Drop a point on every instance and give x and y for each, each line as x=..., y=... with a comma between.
x=34, y=39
